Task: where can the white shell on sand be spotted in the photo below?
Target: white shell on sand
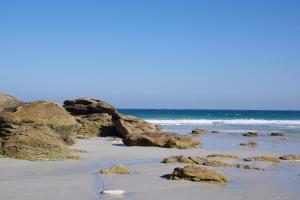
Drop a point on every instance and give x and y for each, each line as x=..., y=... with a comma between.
x=117, y=142
x=113, y=192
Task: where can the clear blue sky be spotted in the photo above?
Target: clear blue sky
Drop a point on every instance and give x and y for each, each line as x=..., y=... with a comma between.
x=155, y=53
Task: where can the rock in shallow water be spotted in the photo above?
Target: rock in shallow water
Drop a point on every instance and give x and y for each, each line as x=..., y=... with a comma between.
x=276, y=133
x=198, y=174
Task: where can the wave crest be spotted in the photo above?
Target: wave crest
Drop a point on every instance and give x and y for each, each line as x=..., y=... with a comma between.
x=221, y=121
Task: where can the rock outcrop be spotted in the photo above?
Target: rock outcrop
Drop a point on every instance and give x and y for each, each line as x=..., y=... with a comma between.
x=129, y=125
x=37, y=131
x=95, y=117
x=198, y=174
x=9, y=103
x=161, y=139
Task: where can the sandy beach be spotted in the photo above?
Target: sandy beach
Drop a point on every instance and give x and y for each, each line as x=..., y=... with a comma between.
x=78, y=180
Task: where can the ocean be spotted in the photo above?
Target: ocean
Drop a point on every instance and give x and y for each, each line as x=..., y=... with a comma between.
x=231, y=124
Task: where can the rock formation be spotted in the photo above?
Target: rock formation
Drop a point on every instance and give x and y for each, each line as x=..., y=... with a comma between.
x=161, y=139
x=37, y=131
x=9, y=103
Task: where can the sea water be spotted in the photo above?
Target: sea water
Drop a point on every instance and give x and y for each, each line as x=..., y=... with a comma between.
x=231, y=124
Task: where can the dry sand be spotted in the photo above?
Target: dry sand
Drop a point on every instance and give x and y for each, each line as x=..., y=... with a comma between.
x=78, y=180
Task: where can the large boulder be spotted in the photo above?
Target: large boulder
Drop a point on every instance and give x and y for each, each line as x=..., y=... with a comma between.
x=39, y=130
x=86, y=106
x=198, y=174
x=161, y=139
x=48, y=113
x=95, y=125
x=9, y=103
x=95, y=117
x=127, y=125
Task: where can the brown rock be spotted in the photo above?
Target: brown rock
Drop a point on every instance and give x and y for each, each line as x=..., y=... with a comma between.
x=86, y=106
x=199, y=131
x=263, y=158
x=126, y=125
x=249, y=144
x=9, y=103
x=161, y=139
x=241, y=166
x=275, y=133
x=37, y=131
x=250, y=134
x=199, y=174
x=118, y=169
x=290, y=157
x=215, y=131
x=195, y=160
x=223, y=156
x=96, y=125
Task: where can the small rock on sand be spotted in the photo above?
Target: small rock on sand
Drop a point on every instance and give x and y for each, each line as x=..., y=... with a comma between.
x=196, y=160
x=223, y=156
x=249, y=144
x=215, y=131
x=198, y=174
x=250, y=134
x=118, y=169
x=263, y=158
x=290, y=157
x=276, y=133
x=241, y=166
x=198, y=131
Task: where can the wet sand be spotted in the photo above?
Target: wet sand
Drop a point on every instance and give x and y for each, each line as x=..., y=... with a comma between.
x=78, y=180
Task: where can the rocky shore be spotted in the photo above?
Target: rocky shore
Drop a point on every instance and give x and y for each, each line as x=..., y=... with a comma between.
x=43, y=130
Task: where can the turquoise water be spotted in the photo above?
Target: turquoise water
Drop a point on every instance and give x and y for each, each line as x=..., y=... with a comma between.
x=230, y=121
x=231, y=124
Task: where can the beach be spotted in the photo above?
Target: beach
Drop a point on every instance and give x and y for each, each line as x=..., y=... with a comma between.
x=78, y=179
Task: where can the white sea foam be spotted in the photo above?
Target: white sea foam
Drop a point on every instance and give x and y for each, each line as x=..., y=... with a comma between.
x=221, y=121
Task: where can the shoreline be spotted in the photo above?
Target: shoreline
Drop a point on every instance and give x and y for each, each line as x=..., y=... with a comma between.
x=70, y=179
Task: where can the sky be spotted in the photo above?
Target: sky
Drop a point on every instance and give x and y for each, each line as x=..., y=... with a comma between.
x=184, y=54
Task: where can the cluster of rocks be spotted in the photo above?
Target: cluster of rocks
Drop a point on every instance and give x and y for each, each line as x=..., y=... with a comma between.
x=43, y=130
